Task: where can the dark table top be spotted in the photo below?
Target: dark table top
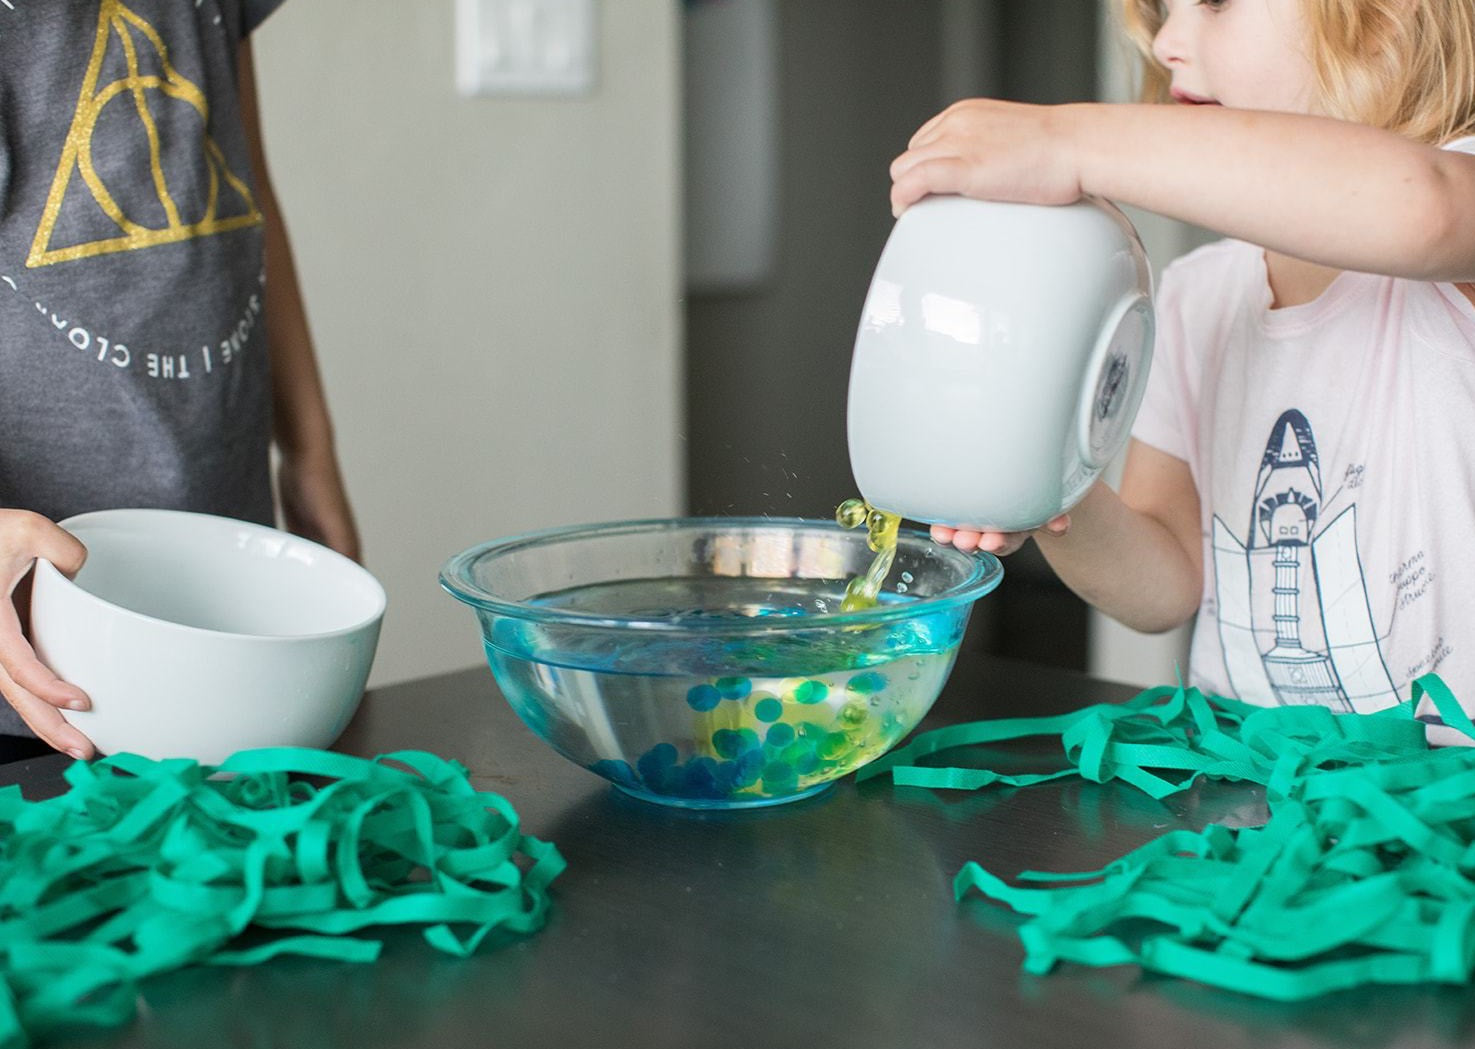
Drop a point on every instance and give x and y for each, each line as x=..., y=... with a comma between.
x=826, y=922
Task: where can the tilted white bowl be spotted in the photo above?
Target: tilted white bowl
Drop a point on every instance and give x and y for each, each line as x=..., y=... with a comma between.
x=1002, y=353
x=197, y=636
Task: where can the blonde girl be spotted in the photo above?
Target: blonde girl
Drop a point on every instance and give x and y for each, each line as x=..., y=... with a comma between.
x=1302, y=474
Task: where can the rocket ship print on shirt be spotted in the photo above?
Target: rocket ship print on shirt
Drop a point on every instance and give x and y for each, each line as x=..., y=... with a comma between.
x=1295, y=624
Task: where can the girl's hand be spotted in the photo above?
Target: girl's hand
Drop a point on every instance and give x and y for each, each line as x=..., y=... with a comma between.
x=26, y=683
x=997, y=543
x=991, y=151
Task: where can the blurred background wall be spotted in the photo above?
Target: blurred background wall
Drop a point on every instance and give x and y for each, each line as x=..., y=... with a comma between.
x=639, y=300
x=493, y=282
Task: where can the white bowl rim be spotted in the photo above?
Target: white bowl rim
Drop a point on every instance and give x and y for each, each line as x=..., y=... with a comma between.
x=377, y=588
x=984, y=575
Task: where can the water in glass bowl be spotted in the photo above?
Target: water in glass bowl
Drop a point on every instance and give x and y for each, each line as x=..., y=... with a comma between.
x=699, y=705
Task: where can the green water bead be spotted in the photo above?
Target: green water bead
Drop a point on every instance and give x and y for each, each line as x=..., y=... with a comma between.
x=852, y=513
x=801, y=755
x=881, y=529
x=834, y=746
x=808, y=692
x=853, y=715
x=779, y=777
x=859, y=594
x=867, y=683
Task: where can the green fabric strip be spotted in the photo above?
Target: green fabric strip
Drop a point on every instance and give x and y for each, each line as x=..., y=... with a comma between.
x=144, y=866
x=1364, y=872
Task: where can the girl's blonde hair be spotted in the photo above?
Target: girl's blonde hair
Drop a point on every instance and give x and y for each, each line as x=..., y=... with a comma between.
x=1403, y=65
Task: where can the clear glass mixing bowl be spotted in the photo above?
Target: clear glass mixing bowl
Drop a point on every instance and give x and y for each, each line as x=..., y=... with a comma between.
x=705, y=662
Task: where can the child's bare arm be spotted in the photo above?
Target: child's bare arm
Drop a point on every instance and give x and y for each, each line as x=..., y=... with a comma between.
x=1331, y=192
x=313, y=498
x=1136, y=555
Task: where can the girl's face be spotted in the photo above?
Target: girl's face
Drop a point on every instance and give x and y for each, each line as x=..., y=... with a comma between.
x=1248, y=54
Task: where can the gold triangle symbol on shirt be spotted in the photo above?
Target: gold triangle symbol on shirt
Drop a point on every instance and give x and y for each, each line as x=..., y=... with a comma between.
x=127, y=43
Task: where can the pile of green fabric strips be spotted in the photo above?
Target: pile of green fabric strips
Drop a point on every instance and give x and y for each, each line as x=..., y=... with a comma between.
x=1364, y=872
x=144, y=866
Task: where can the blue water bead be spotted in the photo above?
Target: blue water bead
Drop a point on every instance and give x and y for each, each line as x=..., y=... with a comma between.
x=673, y=781
x=734, y=687
x=654, y=763
x=749, y=768
x=618, y=771
x=870, y=681
x=700, y=778
x=768, y=709
x=727, y=777
x=703, y=698
x=780, y=735
x=911, y=636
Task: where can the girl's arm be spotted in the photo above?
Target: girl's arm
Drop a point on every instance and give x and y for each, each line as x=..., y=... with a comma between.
x=314, y=501
x=1136, y=554
x=1327, y=191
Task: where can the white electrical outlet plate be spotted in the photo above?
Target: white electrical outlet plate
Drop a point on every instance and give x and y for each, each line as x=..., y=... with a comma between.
x=525, y=47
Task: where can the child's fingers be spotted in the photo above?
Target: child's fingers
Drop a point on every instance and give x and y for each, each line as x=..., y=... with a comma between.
x=937, y=175
x=1001, y=544
x=1058, y=526
x=917, y=156
x=967, y=540
x=927, y=131
x=970, y=540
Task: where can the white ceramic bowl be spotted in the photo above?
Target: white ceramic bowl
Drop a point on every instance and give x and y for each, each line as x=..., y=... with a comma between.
x=197, y=636
x=1002, y=353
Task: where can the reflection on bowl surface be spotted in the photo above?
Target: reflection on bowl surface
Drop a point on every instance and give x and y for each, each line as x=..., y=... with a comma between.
x=705, y=662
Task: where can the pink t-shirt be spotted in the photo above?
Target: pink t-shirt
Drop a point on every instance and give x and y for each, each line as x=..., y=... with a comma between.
x=1333, y=448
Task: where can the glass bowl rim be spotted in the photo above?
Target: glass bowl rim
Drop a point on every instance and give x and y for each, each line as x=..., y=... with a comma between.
x=985, y=573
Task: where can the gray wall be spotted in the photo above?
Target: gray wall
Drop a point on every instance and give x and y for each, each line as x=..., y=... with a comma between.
x=493, y=284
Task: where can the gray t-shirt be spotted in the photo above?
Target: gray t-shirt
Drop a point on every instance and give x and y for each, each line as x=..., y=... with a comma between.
x=133, y=357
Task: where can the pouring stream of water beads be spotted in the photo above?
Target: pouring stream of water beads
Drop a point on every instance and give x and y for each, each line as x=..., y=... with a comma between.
x=881, y=528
